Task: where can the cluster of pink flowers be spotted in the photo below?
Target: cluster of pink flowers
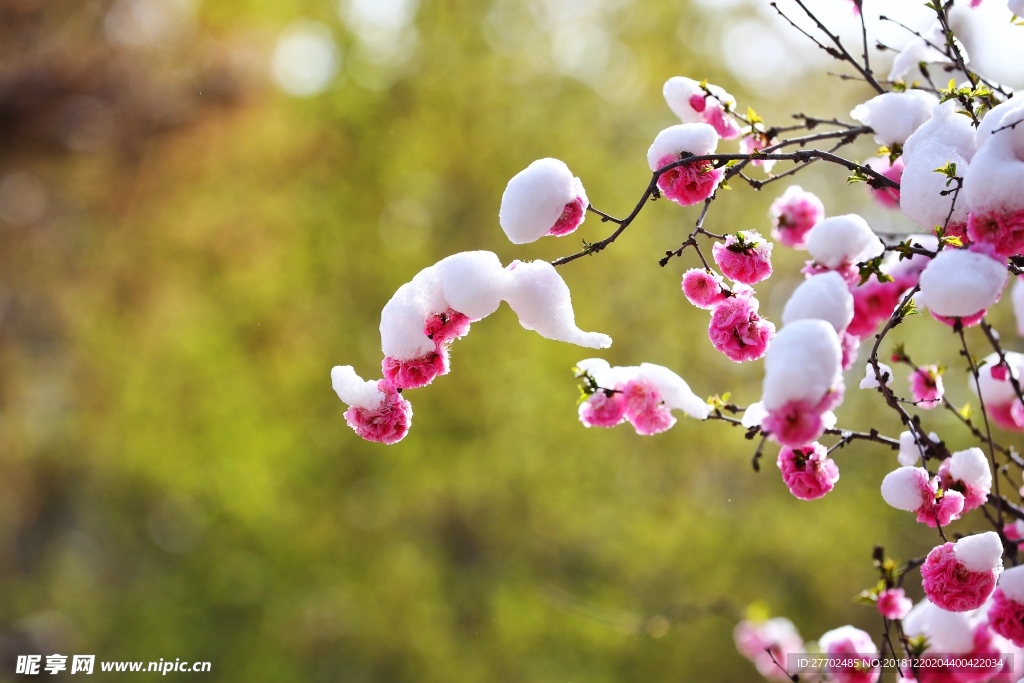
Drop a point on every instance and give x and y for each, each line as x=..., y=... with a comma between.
x=808, y=472
x=643, y=395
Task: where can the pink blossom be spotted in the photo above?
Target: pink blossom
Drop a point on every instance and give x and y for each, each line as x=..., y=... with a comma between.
x=851, y=345
x=941, y=510
x=388, y=423
x=754, y=141
x=688, y=184
x=849, y=272
x=847, y=643
x=893, y=603
x=703, y=288
x=974, y=496
x=1006, y=617
x=415, y=372
x=873, y=302
x=958, y=230
x=887, y=196
x=926, y=386
x=966, y=321
x=444, y=328
x=760, y=641
x=808, y=472
x=723, y=124
x=794, y=214
x=738, y=331
x=603, y=409
x=951, y=585
x=796, y=424
x=744, y=257
x=571, y=218
x=1003, y=231
x=644, y=407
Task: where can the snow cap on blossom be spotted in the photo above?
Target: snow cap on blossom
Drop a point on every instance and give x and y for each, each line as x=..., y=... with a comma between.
x=894, y=116
x=960, y=577
x=794, y=214
x=907, y=272
x=921, y=188
x=542, y=199
x=1003, y=114
x=689, y=183
x=960, y=283
x=1006, y=612
x=906, y=488
x=996, y=388
x=920, y=49
x=948, y=130
x=673, y=390
x=822, y=297
x=541, y=299
x=703, y=288
x=744, y=257
x=909, y=489
x=842, y=240
x=840, y=645
x=808, y=472
x=802, y=364
x=692, y=104
x=926, y=386
x=972, y=468
x=870, y=380
x=910, y=451
x=471, y=283
x=990, y=190
x=1016, y=6
x=377, y=412
x=697, y=139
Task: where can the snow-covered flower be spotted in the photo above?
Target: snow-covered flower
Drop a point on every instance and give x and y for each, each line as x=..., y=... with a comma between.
x=821, y=297
x=694, y=103
x=1006, y=612
x=894, y=116
x=959, y=577
x=643, y=395
x=996, y=389
x=870, y=380
x=377, y=411
x=968, y=472
x=542, y=199
x=689, y=183
x=841, y=241
x=961, y=283
x=910, y=489
x=803, y=381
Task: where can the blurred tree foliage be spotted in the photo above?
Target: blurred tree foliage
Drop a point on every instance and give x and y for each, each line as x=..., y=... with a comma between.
x=177, y=478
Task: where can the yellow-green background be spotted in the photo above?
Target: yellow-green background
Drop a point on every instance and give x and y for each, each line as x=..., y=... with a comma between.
x=176, y=476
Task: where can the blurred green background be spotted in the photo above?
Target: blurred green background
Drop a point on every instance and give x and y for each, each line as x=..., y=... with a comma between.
x=185, y=251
